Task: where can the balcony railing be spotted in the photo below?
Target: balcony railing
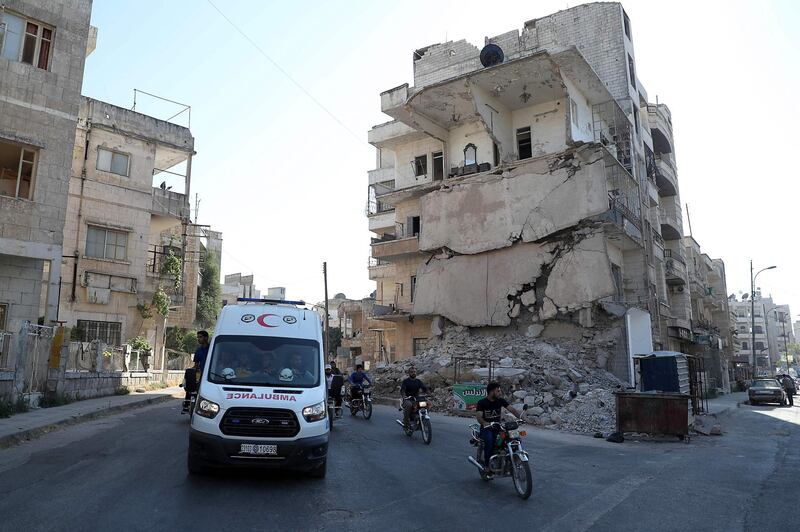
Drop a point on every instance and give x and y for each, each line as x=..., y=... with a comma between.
x=169, y=203
x=383, y=248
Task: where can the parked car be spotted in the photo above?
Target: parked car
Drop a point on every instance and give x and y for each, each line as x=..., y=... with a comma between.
x=766, y=391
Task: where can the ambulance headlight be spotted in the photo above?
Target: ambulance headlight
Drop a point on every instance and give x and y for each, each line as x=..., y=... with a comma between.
x=315, y=412
x=207, y=408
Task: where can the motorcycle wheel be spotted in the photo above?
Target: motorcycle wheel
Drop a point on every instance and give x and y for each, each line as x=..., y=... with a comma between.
x=427, y=435
x=521, y=474
x=367, y=409
x=353, y=411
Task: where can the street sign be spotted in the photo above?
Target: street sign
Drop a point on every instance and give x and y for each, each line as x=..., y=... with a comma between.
x=467, y=395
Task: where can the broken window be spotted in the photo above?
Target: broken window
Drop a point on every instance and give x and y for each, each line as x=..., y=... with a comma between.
x=631, y=71
x=102, y=243
x=109, y=332
x=470, y=154
x=627, y=23
x=524, y=143
x=636, y=119
x=438, y=166
x=573, y=111
x=112, y=161
x=419, y=345
x=616, y=273
x=413, y=225
x=17, y=171
x=25, y=41
x=420, y=165
x=413, y=286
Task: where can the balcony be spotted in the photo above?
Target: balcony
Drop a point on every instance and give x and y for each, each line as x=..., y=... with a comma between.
x=666, y=175
x=389, y=247
x=652, y=192
x=381, y=220
x=170, y=204
x=660, y=120
x=381, y=175
x=379, y=268
x=674, y=269
x=390, y=134
x=671, y=217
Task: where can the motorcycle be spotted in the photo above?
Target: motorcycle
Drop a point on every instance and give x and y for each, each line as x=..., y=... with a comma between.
x=419, y=420
x=363, y=403
x=191, y=381
x=509, y=458
x=336, y=392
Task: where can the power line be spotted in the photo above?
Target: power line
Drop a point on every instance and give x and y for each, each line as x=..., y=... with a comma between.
x=285, y=73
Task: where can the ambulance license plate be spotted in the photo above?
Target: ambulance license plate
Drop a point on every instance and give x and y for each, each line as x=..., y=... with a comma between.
x=258, y=449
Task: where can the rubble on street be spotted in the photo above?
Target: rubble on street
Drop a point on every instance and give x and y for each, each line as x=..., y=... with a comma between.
x=563, y=381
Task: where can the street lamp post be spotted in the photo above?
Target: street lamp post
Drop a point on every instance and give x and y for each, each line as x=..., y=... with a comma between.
x=753, y=312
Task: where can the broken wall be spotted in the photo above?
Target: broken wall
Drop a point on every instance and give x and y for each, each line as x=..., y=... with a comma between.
x=527, y=203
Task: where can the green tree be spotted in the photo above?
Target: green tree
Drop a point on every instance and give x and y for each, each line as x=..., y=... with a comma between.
x=175, y=338
x=190, y=341
x=335, y=339
x=209, y=296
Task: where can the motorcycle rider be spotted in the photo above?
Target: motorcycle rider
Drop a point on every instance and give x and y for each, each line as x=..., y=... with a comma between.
x=334, y=383
x=490, y=410
x=356, y=380
x=409, y=391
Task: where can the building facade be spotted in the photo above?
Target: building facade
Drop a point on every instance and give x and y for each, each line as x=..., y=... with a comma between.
x=772, y=328
x=128, y=235
x=43, y=47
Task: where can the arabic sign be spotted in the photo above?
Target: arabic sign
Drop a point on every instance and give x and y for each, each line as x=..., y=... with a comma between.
x=468, y=395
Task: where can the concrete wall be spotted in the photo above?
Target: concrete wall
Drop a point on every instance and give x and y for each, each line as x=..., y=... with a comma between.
x=531, y=202
x=20, y=289
x=38, y=109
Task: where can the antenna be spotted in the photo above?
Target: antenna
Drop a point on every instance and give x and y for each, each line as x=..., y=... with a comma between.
x=689, y=219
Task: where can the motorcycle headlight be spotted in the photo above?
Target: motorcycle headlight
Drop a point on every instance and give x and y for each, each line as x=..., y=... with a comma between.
x=315, y=412
x=423, y=404
x=207, y=408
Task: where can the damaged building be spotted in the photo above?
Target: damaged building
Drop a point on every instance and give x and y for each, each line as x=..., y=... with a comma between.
x=529, y=187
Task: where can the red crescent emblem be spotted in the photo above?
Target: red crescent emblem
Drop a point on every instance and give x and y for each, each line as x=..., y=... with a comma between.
x=262, y=320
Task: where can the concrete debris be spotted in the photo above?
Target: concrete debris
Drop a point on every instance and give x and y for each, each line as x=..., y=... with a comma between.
x=562, y=381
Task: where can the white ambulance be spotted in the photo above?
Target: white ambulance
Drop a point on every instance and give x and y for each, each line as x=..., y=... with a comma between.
x=262, y=400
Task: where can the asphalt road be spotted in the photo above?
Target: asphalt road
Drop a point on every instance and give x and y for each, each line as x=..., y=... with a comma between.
x=128, y=472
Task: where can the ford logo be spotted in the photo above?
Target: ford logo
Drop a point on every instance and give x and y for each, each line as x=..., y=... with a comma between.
x=289, y=319
x=247, y=318
x=260, y=421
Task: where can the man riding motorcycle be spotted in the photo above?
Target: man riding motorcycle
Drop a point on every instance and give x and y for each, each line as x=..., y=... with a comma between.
x=490, y=410
x=334, y=382
x=356, y=380
x=409, y=391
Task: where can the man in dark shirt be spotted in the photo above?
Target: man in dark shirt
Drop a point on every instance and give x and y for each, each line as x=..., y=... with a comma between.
x=410, y=388
x=191, y=374
x=335, y=370
x=490, y=409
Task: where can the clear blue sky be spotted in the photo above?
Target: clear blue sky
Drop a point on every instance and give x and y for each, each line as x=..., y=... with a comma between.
x=286, y=184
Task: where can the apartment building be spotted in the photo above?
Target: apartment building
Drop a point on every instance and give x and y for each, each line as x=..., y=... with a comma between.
x=773, y=332
x=43, y=47
x=128, y=234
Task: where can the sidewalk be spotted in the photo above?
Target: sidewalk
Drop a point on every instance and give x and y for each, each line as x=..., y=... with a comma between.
x=723, y=404
x=35, y=423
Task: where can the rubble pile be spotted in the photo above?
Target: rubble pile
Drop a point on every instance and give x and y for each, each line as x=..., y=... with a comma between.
x=562, y=381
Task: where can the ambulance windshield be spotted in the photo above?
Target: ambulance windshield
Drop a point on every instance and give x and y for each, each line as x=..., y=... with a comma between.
x=264, y=361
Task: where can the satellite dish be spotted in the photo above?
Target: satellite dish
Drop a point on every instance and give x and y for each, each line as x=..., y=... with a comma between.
x=491, y=55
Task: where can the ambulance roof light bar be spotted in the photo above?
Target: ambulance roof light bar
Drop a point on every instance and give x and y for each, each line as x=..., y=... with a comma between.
x=272, y=301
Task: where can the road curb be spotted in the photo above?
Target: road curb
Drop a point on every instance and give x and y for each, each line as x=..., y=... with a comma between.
x=31, y=434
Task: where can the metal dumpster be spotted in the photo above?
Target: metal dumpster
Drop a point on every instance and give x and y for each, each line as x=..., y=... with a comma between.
x=653, y=413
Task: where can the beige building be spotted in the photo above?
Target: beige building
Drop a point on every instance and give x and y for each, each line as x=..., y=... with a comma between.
x=527, y=185
x=127, y=233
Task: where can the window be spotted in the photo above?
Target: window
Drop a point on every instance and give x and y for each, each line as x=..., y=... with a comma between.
x=25, y=41
x=438, y=166
x=413, y=286
x=631, y=71
x=265, y=361
x=109, y=332
x=470, y=154
x=759, y=346
x=112, y=161
x=573, y=111
x=419, y=345
x=524, y=143
x=495, y=154
x=17, y=171
x=745, y=346
x=413, y=224
x=104, y=243
x=627, y=23
x=758, y=329
x=616, y=274
x=420, y=165
x=636, y=120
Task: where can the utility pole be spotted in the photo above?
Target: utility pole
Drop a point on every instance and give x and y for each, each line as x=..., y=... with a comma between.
x=327, y=342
